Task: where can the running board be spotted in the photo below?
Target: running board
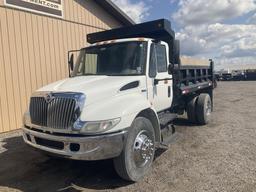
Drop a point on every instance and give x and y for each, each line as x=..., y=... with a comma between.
x=167, y=129
x=168, y=135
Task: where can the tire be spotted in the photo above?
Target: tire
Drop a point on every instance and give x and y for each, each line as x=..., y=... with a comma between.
x=130, y=165
x=215, y=83
x=203, y=109
x=191, y=110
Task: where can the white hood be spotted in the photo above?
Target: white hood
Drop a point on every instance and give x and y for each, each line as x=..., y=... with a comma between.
x=95, y=88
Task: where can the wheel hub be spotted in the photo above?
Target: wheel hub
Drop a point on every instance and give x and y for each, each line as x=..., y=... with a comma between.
x=143, y=149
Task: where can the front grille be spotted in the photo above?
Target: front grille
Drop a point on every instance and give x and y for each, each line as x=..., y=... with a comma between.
x=59, y=113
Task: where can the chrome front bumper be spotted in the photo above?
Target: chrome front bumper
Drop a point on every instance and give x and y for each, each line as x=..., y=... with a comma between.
x=80, y=148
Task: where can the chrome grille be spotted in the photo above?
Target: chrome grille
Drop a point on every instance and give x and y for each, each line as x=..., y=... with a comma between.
x=59, y=113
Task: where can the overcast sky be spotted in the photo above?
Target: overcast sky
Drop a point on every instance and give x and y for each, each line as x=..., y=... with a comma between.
x=224, y=30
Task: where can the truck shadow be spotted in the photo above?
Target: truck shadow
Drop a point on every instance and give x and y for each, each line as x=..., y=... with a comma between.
x=25, y=169
x=183, y=122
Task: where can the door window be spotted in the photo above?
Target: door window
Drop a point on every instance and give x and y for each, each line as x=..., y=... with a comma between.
x=158, y=60
x=152, y=62
x=161, y=58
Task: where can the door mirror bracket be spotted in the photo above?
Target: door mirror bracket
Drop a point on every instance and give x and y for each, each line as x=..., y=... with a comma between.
x=156, y=81
x=170, y=68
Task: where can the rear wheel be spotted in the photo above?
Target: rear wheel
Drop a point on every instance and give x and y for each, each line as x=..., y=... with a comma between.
x=138, y=153
x=191, y=110
x=203, y=108
x=215, y=83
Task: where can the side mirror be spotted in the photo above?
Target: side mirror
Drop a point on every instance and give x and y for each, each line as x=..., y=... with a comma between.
x=71, y=62
x=170, y=68
x=176, y=52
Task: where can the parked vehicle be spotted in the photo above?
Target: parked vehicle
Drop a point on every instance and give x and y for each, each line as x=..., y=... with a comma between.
x=120, y=100
x=227, y=76
x=250, y=75
x=217, y=76
x=239, y=77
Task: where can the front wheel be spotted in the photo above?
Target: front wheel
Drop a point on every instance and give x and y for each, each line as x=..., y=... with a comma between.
x=139, y=150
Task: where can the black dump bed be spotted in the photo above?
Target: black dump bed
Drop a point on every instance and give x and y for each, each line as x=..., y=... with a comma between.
x=192, y=78
x=160, y=30
x=187, y=79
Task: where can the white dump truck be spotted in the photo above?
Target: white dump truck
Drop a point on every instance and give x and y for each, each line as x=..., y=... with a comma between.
x=120, y=100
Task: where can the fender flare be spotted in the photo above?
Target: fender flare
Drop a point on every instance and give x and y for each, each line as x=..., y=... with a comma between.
x=151, y=114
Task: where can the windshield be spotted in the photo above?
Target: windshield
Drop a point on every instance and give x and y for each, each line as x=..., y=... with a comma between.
x=119, y=59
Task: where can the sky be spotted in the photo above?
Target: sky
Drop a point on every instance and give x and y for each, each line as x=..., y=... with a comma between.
x=224, y=30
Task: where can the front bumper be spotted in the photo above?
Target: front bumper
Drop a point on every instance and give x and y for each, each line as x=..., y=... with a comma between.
x=98, y=147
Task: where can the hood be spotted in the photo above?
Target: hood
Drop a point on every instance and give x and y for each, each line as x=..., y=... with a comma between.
x=95, y=88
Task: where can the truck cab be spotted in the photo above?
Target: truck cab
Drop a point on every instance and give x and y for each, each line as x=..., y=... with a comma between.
x=123, y=93
x=139, y=64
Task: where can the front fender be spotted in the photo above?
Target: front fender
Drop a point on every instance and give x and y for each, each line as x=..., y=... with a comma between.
x=125, y=106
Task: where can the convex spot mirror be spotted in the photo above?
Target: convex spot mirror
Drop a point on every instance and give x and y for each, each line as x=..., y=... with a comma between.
x=71, y=62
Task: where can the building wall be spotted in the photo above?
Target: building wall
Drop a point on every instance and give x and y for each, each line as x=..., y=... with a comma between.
x=33, y=51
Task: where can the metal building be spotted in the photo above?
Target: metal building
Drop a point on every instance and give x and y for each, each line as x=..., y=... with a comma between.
x=35, y=36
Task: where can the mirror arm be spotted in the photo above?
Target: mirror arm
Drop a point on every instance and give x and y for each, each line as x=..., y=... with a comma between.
x=170, y=68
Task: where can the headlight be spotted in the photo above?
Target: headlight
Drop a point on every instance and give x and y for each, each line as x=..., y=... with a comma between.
x=99, y=126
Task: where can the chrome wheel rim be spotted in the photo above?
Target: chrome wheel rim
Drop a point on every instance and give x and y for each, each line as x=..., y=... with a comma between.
x=143, y=149
x=208, y=108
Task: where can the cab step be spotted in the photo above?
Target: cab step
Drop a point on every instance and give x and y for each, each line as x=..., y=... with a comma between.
x=166, y=119
x=169, y=136
x=167, y=141
x=167, y=129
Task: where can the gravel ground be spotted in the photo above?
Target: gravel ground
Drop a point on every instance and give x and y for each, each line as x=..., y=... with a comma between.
x=218, y=157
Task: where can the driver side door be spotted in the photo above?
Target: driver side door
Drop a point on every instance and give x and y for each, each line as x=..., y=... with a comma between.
x=159, y=80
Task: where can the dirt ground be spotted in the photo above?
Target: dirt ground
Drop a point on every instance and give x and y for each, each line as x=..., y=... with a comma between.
x=218, y=157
